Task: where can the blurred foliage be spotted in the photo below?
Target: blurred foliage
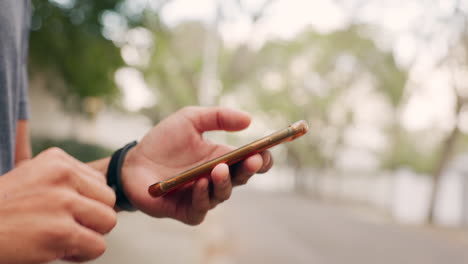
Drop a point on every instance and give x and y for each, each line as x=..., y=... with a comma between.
x=81, y=151
x=67, y=46
x=405, y=154
x=307, y=77
x=174, y=66
x=329, y=66
x=338, y=61
x=314, y=76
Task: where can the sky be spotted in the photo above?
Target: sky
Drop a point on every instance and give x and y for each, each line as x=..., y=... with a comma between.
x=283, y=19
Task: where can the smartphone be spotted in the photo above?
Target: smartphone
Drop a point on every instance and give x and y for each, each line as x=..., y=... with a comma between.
x=288, y=134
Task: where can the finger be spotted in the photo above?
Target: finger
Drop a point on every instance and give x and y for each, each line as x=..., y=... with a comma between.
x=87, y=170
x=85, y=180
x=222, y=186
x=267, y=162
x=65, y=159
x=94, y=215
x=242, y=172
x=89, y=182
x=217, y=118
x=85, y=245
x=200, y=201
x=90, y=187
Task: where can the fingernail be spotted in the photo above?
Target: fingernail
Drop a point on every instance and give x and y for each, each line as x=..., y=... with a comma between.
x=267, y=160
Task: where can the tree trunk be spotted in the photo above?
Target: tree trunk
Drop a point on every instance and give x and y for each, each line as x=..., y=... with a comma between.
x=465, y=198
x=209, y=80
x=446, y=153
x=295, y=162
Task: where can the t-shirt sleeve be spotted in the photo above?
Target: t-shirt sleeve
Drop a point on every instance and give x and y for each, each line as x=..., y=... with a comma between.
x=23, y=111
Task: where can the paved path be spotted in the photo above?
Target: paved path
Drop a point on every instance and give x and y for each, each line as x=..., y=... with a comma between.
x=278, y=228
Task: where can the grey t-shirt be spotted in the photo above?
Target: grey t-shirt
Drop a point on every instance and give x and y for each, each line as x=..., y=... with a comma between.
x=15, y=16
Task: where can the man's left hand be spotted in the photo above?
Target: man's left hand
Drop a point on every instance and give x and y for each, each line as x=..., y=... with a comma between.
x=177, y=144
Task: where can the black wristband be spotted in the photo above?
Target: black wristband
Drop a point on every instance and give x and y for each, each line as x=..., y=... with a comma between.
x=114, y=177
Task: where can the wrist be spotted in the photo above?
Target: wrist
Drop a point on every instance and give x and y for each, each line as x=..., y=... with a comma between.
x=114, y=177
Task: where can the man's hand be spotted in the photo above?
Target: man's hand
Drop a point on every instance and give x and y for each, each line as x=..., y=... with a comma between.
x=175, y=145
x=54, y=207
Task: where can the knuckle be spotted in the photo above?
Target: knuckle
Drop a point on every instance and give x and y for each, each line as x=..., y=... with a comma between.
x=60, y=234
x=110, y=197
x=228, y=195
x=64, y=172
x=100, y=178
x=242, y=180
x=65, y=199
x=222, y=198
x=196, y=221
x=225, y=195
x=189, y=109
x=214, y=205
x=111, y=192
x=95, y=248
x=113, y=221
x=204, y=209
x=99, y=247
x=55, y=152
x=110, y=222
x=59, y=167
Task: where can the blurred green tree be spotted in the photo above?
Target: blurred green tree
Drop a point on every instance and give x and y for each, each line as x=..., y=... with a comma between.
x=338, y=61
x=306, y=77
x=68, y=49
x=81, y=151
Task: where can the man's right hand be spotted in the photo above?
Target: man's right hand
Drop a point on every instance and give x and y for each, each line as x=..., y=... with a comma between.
x=54, y=207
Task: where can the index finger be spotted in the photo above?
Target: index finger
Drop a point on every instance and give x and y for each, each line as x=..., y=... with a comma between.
x=85, y=180
x=85, y=169
x=92, y=188
x=85, y=245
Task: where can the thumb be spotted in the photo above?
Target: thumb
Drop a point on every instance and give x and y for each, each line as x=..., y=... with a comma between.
x=217, y=118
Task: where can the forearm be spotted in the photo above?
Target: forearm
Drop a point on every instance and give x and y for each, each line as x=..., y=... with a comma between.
x=23, y=143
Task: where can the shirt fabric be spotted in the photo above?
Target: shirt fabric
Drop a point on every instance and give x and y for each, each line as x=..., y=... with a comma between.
x=15, y=16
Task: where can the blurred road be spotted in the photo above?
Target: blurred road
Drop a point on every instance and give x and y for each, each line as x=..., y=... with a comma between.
x=279, y=228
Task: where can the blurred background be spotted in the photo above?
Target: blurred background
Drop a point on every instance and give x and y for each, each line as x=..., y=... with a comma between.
x=382, y=176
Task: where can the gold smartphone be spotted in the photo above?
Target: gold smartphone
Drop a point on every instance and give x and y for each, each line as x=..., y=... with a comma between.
x=290, y=133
